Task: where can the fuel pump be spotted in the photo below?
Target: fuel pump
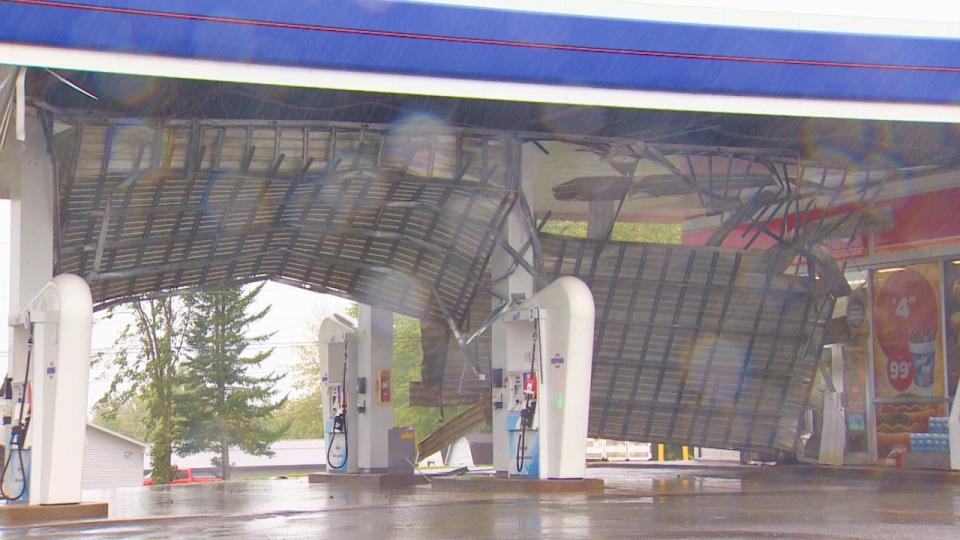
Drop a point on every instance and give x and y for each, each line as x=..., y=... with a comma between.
x=529, y=408
x=338, y=446
x=47, y=409
x=523, y=419
x=14, y=474
x=337, y=360
x=543, y=397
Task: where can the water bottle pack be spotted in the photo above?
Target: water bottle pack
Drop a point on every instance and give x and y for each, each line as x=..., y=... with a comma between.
x=928, y=443
x=938, y=425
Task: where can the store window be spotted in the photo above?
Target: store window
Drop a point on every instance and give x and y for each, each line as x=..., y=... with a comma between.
x=908, y=356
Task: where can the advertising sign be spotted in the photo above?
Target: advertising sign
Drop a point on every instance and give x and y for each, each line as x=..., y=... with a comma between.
x=896, y=421
x=383, y=386
x=854, y=388
x=857, y=313
x=908, y=356
x=951, y=282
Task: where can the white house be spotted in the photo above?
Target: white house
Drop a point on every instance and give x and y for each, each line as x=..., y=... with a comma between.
x=291, y=456
x=111, y=460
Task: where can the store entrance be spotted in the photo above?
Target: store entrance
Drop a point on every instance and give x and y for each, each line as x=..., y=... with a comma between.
x=849, y=374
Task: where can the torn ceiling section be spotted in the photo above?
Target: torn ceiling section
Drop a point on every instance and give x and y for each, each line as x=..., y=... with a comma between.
x=711, y=345
x=404, y=220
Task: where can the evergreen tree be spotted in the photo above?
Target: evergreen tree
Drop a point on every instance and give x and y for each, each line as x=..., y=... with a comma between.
x=224, y=404
x=146, y=360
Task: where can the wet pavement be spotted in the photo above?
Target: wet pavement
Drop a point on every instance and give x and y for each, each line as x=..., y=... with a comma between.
x=656, y=502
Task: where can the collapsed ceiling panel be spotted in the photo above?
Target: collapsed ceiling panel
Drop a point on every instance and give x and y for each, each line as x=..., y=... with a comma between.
x=705, y=345
x=696, y=345
x=449, y=374
x=404, y=220
x=693, y=345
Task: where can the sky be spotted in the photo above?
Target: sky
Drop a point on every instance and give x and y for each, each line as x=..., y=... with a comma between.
x=290, y=319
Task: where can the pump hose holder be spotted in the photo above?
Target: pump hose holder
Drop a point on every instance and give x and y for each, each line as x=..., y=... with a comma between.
x=18, y=432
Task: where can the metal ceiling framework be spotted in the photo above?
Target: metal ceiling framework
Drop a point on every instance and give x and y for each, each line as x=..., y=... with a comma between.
x=451, y=373
x=706, y=345
x=748, y=184
x=404, y=219
x=845, y=141
x=697, y=345
x=701, y=344
x=693, y=344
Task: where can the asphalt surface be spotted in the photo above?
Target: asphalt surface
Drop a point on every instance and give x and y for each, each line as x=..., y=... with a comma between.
x=654, y=502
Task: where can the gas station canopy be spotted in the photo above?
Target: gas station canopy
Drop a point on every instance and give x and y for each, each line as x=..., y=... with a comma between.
x=372, y=150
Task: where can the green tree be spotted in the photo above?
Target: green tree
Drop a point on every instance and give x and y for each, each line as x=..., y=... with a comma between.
x=302, y=415
x=146, y=358
x=407, y=358
x=577, y=229
x=224, y=403
x=128, y=418
x=304, y=412
x=656, y=233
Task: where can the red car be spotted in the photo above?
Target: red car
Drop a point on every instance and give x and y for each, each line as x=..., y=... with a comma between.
x=186, y=476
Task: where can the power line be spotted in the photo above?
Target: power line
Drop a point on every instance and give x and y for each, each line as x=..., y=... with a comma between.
x=254, y=346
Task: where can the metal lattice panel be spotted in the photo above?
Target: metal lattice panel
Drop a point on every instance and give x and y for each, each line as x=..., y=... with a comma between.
x=451, y=375
x=695, y=345
x=395, y=220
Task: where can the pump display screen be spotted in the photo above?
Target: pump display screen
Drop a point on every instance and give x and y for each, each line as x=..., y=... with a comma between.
x=530, y=384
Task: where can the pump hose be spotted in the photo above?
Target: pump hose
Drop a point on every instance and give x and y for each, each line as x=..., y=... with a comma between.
x=521, y=450
x=330, y=447
x=21, y=430
x=521, y=440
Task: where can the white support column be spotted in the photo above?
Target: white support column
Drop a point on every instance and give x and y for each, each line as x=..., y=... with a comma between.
x=60, y=370
x=353, y=421
x=375, y=354
x=516, y=234
x=27, y=169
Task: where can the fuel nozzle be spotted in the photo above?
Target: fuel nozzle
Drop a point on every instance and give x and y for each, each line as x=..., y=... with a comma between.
x=7, y=400
x=526, y=414
x=340, y=421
